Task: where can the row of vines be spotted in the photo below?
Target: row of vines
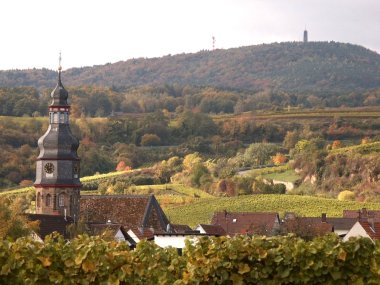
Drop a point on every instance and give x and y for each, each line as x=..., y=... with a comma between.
x=239, y=260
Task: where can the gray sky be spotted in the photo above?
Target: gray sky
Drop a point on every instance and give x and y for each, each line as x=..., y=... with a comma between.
x=90, y=32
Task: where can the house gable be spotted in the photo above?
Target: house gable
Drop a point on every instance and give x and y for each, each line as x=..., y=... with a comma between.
x=356, y=231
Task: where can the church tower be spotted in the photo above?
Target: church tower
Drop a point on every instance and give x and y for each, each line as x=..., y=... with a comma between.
x=58, y=165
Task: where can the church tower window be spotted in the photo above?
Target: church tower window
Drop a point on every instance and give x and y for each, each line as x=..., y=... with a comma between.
x=48, y=200
x=38, y=199
x=61, y=200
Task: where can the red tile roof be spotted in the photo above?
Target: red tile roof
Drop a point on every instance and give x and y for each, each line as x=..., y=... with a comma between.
x=213, y=230
x=143, y=233
x=177, y=228
x=342, y=223
x=372, y=229
x=131, y=211
x=246, y=223
x=362, y=214
x=307, y=226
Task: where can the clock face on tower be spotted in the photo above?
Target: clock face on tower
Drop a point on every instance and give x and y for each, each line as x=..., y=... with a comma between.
x=49, y=167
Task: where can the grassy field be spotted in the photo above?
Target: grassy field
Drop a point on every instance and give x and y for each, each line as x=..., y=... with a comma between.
x=305, y=114
x=201, y=211
x=361, y=149
x=171, y=190
x=287, y=176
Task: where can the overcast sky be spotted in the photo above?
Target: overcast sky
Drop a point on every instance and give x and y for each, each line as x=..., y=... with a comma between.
x=90, y=32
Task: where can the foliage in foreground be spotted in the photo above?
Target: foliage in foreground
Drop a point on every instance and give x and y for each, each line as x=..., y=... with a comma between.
x=239, y=260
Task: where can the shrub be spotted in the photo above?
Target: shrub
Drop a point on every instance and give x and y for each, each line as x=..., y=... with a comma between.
x=150, y=140
x=346, y=195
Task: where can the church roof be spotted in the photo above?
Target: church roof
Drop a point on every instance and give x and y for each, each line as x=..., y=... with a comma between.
x=131, y=211
x=51, y=223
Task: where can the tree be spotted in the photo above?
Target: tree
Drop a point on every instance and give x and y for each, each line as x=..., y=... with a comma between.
x=150, y=140
x=291, y=138
x=259, y=154
x=13, y=222
x=279, y=158
x=336, y=144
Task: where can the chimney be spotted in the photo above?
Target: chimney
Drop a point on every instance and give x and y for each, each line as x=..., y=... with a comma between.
x=324, y=218
x=364, y=213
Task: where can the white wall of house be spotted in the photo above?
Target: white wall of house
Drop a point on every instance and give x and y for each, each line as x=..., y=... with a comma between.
x=133, y=236
x=177, y=241
x=200, y=229
x=36, y=237
x=356, y=231
x=119, y=236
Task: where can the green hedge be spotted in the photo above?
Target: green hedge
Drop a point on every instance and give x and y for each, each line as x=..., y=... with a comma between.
x=239, y=260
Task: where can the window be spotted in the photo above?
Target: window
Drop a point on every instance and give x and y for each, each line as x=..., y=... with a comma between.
x=55, y=117
x=48, y=200
x=61, y=200
x=61, y=118
x=38, y=199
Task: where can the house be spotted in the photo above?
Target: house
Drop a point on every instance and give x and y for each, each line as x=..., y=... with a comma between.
x=49, y=224
x=176, y=240
x=341, y=225
x=139, y=213
x=318, y=225
x=139, y=234
x=113, y=231
x=306, y=227
x=362, y=214
x=259, y=223
x=177, y=228
x=212, y=230
x=364, y=229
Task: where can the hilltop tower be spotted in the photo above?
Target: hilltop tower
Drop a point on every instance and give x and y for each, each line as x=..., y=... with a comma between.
x=305, y=40
x=58, y=165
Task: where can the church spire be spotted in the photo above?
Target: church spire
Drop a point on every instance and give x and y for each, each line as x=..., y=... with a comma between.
x=59, y=70
x=59, y=94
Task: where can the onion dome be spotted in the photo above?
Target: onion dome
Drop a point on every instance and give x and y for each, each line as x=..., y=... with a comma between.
x=59, y=94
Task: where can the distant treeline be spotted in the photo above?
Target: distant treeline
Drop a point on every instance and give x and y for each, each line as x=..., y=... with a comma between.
x=92, y=101
x=291, y=67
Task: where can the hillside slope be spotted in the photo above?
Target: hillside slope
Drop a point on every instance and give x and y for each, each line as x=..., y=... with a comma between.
x=294, y=66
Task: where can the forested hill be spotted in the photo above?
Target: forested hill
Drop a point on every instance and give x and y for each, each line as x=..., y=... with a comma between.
x=294, y=67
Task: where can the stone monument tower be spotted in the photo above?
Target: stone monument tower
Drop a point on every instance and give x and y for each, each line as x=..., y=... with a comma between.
x=305, y=36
